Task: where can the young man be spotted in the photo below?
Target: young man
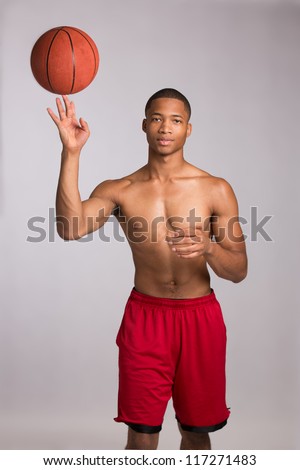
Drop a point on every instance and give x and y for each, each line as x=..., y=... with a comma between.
x=177, y=219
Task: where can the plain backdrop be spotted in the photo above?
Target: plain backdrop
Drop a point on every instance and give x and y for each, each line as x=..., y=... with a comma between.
x=238, y=62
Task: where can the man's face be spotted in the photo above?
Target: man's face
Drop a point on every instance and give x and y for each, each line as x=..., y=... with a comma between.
x=166, y=126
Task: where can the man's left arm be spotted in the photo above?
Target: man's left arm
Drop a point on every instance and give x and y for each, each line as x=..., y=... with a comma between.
x=226, y=253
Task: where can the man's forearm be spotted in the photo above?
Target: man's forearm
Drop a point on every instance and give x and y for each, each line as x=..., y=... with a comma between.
x=227, y=264
x=68, y=200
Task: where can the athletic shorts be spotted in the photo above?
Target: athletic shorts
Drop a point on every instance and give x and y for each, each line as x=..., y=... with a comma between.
x=172, y=348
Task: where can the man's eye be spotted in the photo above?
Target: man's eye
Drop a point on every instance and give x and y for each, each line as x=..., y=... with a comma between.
x=156, y=119
x=177, y=121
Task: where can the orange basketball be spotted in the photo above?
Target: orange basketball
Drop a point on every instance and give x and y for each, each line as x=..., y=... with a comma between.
x=64, y=60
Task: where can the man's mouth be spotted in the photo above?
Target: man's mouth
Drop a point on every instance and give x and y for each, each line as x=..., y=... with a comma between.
x=164, y=141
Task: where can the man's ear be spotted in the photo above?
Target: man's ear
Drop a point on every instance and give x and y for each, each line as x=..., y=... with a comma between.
x=144, y=125
x=189, y=129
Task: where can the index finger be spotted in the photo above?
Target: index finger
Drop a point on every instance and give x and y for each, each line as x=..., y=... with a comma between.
x=62, y=111
x=177, y=234
x=186, y=240
x=53, y=116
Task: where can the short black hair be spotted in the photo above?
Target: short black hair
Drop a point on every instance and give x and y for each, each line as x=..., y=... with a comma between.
x=170, y=93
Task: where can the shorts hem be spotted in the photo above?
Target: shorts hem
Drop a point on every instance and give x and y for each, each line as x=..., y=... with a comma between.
x=200, y=429
x=144, y=428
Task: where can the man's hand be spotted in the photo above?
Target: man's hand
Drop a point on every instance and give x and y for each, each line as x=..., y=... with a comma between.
x=189, y=243
x=73, y=133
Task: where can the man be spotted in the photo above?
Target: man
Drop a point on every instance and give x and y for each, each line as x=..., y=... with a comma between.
x=177, y=219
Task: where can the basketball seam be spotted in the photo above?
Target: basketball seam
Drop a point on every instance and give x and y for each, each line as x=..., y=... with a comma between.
x=47, y=61
x=73, y=60
x=91, y=46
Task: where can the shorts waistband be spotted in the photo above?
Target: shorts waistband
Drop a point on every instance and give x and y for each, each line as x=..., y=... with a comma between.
x=172, y=303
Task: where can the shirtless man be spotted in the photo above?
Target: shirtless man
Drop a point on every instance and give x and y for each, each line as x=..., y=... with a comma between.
x=177, y=219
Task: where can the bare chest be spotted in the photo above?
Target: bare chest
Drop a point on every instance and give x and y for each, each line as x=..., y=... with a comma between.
x=155, y=210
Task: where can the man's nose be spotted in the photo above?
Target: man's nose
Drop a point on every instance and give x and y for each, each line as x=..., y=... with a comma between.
x=165, y=127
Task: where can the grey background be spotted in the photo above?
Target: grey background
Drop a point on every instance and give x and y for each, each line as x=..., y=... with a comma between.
x=238, y=62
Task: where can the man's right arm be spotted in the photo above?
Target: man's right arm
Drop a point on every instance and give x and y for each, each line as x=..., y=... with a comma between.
x=76, y=218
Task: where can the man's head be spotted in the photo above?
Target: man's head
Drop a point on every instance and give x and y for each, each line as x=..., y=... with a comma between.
x=167, y=122
x=169, y=93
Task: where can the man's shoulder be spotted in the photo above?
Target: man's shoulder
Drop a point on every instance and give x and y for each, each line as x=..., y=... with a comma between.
x=218, y=182
x=214, y=181
x=218, y=188
x=117, y=183
x=221, y=193
x=109, y=188
x=113, y=186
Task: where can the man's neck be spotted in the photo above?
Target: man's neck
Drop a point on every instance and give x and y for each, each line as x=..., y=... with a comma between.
x=163, y=167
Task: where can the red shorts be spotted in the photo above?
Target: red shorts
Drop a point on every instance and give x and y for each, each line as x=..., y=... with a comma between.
x=172, y=348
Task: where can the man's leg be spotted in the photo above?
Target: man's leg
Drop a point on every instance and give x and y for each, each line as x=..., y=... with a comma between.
x=146, y=368
x=194, y=440
x=199, y=385
x=141, y=440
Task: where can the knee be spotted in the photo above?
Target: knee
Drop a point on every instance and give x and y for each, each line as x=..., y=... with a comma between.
x=141, y=441
x=194, y=440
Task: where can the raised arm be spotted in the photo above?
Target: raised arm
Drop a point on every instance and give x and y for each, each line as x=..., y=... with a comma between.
x=76, y=218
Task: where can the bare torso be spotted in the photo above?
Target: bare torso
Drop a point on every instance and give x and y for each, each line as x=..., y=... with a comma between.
x=148, y=209
x=155, y=202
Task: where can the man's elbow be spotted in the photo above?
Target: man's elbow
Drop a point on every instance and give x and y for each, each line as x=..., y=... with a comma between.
x=67, y=235
x=240, y=276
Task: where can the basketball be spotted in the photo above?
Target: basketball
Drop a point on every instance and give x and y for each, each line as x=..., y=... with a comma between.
x=64, y=60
